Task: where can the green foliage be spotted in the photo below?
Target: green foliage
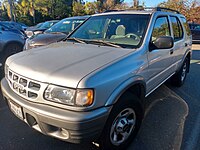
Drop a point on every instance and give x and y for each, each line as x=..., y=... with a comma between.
x=189, y=8
x=91, y=8
x=78, y=9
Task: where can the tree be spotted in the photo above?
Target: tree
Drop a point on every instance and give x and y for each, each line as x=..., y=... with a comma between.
x=91, y=8
x=189, y=8
x=78, y=9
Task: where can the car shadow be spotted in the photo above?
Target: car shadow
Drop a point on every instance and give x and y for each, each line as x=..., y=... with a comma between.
x=164, y=120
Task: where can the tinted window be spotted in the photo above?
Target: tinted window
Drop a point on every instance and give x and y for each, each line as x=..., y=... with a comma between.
x=47, y=25
x=186, y=26
x=161, y=28
x=177, y=28
x=65, y=25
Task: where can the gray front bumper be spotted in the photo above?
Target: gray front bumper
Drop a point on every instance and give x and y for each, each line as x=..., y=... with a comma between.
x=63, y=124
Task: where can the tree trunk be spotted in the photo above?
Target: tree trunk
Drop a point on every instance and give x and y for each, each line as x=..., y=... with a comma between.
x=11, y=10
x=135, y=3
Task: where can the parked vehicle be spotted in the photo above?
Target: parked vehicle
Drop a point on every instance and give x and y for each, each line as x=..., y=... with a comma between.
x=11, y=42
x=24, y=27
x=35, y=27
x=8, y=28
x=33, y=31
x=195, y=29
x=13, y=25
x=56, y=33
x=93, y=87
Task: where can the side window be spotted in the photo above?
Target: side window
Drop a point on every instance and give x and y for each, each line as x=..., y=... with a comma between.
x=187, y=28
x=161, y=28
x=177, y=29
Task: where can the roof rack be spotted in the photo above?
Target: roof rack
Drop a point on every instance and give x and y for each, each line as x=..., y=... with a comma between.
x=147, y=8
x=162, y=9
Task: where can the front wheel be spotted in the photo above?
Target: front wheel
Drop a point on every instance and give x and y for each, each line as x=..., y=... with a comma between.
x=123, y=123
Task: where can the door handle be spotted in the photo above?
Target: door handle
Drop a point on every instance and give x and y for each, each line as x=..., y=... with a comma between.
x=186, y=44
x=171, y=51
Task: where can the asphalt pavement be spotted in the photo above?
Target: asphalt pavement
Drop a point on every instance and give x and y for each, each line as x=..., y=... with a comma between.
x=172, y=121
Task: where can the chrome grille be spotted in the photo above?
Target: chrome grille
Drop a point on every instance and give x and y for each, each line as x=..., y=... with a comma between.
x=23, y=86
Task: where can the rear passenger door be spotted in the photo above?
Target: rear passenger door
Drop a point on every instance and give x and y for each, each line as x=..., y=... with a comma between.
x=180, y=44
x=160, y=60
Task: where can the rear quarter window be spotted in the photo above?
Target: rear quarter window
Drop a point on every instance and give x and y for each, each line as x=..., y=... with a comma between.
x=177, y=28
x=186, y=26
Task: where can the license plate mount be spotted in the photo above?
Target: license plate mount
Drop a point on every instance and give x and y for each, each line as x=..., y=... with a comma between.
x=16, y=109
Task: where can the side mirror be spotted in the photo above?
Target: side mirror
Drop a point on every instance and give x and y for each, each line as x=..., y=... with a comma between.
x=3, y=29
x=162, y=42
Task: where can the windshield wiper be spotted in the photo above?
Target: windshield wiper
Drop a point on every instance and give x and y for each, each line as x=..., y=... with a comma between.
x=104, y=43
x=75, y=39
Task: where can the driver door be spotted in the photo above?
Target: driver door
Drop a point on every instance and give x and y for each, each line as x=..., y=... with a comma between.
x=160, y=60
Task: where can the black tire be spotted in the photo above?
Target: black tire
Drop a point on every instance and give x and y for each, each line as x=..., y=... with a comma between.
x=126, y=104
x=179, y=78
x=9, y=50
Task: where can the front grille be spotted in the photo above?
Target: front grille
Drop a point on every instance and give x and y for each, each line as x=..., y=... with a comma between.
x=23, y=86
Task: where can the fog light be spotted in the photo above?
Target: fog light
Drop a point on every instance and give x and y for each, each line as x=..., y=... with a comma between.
x=65, y=133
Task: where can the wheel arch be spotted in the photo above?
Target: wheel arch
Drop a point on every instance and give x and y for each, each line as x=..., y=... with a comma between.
x=12, y=42
x=135, y=85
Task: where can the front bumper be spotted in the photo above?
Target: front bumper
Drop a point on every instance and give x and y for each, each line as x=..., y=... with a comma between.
x=70, y=126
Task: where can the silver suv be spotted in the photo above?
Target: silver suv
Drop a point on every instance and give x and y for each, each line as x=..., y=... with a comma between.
x=93, y=87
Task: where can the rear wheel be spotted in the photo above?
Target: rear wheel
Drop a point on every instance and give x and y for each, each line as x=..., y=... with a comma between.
x=123, y=123
x=179, y=78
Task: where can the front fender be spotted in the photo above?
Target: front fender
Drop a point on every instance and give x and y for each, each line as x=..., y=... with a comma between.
x=123, y=87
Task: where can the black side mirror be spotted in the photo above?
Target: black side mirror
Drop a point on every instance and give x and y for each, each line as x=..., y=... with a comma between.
x=162, y=42
x=3, y=29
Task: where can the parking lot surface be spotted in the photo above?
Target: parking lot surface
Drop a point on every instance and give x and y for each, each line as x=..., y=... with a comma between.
x=171, y=121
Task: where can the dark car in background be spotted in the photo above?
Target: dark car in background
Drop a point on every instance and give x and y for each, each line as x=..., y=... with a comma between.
x=35, y=26
x=195, y=30
x=10, y=43
x=11, y=29
x=15, y=25
x=33, y=31
x=56, y=33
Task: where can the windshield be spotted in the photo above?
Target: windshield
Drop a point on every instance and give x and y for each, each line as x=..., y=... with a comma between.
x=126, y=30
x=47, y=25
x=65, y=25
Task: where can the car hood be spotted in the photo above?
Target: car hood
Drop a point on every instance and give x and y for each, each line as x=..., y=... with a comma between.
x=46, y=38
x=63, y=63
x=36, y=29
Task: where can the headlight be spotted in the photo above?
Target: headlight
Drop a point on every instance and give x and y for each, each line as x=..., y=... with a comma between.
x=84, y=97
x=29, y=33
x=69, y=96
x=60, y=94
